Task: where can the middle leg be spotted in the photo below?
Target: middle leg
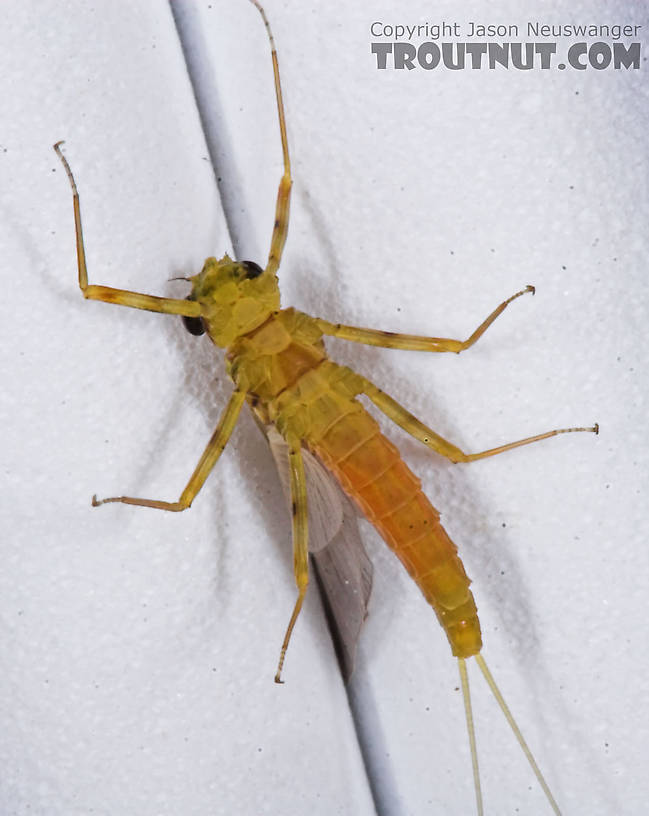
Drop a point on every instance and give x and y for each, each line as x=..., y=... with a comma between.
x=413, y=342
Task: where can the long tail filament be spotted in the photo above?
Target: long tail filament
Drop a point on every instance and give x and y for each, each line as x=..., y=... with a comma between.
x=512, y=724
x=466, y=694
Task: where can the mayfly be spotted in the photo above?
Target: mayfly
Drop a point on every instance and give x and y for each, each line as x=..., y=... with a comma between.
x=318, y=429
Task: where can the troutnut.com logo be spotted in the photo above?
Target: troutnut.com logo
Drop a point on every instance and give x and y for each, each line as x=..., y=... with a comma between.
x=467, y=46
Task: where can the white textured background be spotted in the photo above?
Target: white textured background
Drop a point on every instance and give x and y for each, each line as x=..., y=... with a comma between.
x=138, y=648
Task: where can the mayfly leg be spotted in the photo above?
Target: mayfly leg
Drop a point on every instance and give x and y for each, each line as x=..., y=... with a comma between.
x=210, y=456
x=413, y=426
x=414, y=342
x=411, y=342
x=184, y=308
x=300, y=525
x=280, y=227
x=108, y=294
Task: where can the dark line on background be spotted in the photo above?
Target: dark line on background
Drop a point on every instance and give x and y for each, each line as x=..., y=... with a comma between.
x=213, y=122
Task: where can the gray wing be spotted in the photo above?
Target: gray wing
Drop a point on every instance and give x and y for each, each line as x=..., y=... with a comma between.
x=343, y=568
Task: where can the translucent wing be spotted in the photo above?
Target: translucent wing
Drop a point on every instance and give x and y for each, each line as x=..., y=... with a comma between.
x=343, y=568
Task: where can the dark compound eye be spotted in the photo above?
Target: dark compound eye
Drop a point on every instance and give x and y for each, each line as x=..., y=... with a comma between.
x=194, y=325
x=253, y=270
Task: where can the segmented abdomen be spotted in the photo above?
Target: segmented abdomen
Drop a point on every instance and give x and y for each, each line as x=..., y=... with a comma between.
x=371, y=471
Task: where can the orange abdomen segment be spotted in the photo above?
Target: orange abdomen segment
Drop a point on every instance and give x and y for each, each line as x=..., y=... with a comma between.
x=372, y=473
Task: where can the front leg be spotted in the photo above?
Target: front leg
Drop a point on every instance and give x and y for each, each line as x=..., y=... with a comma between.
x=107, y=294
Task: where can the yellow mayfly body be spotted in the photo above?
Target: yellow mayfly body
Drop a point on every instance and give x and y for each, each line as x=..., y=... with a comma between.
x=309, y=407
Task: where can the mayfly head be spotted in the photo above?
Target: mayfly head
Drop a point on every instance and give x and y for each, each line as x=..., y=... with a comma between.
x=235, y=296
